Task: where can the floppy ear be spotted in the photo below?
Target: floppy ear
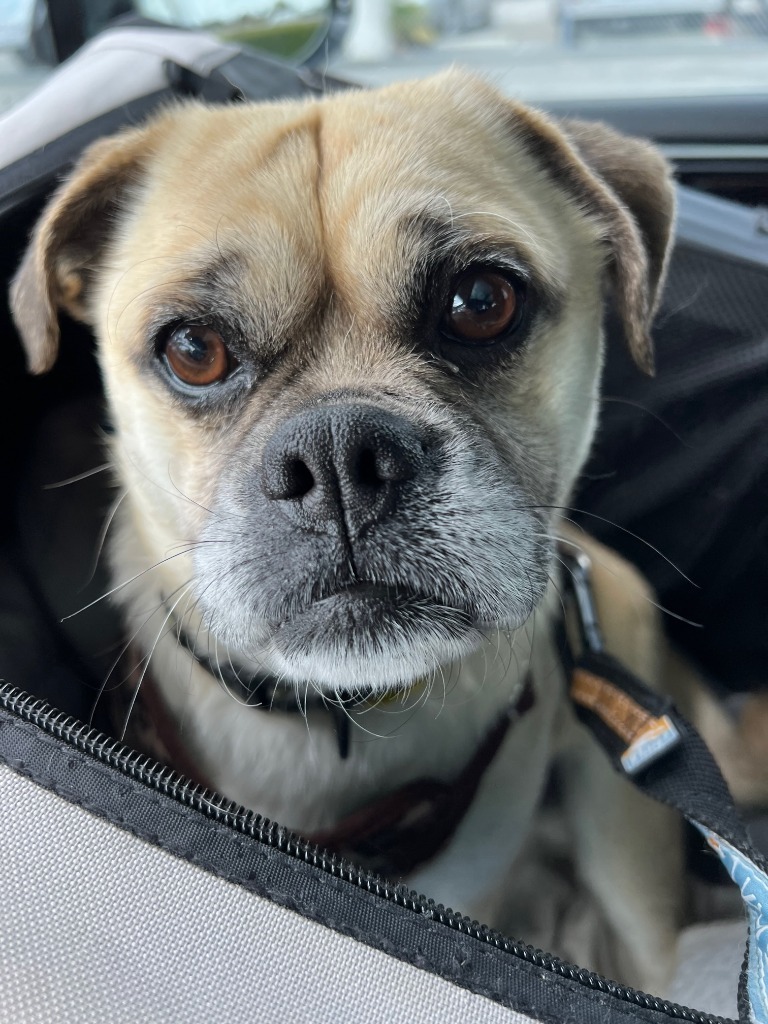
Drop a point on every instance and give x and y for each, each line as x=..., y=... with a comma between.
x=626, y=185
x=641, y=179
x=68, y=242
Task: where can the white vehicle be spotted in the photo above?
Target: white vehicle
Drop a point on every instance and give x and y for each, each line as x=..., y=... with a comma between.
x=678, y=16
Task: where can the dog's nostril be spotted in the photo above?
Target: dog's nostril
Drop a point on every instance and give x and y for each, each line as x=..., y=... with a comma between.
x=299, y=479
x=367, y=474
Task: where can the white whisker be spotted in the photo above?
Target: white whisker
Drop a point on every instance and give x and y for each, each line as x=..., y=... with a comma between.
x=147, y=660
x=79, y=476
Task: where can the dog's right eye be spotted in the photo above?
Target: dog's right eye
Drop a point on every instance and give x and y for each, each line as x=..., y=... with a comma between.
x=196, y=355
x=486, y=305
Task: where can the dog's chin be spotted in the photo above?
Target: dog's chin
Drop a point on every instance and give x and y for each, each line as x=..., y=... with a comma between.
x=370, y=640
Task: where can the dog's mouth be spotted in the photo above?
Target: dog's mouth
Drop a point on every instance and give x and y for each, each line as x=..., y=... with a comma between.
x=336, y=632
x=369, y=638
x=367, y=597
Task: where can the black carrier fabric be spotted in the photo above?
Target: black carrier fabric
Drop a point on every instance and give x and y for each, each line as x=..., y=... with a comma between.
x=682, y=460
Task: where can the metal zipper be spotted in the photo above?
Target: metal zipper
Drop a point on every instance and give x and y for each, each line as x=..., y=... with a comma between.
x=166, y=780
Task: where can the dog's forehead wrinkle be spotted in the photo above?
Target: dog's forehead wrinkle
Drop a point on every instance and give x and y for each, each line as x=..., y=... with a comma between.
x=272, y=177
x=316, y=130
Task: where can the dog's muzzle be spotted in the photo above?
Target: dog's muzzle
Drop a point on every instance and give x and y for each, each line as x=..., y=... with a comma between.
x=339, y=468
x=361, y=549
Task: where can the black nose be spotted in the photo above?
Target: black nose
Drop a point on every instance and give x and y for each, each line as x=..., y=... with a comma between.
x=341, y=465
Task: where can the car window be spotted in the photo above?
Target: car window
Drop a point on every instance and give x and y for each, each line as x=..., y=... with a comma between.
x=539, y=50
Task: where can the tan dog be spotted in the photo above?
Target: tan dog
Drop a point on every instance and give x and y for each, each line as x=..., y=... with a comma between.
x=351, y=350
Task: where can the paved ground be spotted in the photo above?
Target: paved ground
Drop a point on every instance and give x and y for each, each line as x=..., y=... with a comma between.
x=604, y=68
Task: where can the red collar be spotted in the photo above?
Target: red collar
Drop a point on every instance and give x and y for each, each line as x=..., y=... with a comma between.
x=402, y=830
x=391, y=836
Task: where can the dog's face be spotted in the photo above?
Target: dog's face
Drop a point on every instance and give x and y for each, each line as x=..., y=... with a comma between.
x=351, y=349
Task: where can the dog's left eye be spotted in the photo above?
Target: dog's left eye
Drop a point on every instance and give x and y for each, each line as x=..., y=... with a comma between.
x=486, y=305
x=197, y=355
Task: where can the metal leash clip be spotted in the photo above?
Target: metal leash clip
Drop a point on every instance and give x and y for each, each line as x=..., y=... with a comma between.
x=579, y=566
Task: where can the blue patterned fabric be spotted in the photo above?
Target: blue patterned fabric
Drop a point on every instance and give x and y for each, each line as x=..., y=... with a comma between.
x=753, y=885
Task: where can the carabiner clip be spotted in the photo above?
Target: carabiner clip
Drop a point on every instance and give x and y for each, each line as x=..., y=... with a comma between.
x=579, y=582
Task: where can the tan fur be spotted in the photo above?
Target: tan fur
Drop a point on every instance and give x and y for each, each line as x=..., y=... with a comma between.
x=309, y=218
x=737, y=739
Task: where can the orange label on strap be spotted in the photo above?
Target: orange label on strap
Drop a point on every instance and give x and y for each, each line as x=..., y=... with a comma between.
x=619, y=712
x=647, y=737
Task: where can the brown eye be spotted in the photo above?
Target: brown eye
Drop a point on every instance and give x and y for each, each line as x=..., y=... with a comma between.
x=197, y=355
x=485, y=306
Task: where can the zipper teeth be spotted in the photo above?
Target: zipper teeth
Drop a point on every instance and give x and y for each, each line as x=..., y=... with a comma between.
x=170, y=782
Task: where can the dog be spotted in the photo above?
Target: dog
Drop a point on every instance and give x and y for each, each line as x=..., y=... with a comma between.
x=351, y=351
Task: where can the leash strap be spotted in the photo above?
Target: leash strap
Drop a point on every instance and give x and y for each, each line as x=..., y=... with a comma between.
x=650, y=742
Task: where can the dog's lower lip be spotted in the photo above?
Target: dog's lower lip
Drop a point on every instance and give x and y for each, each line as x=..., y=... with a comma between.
x=387, y=595
x=384, y=595
x=390, y=594
x=364, y=589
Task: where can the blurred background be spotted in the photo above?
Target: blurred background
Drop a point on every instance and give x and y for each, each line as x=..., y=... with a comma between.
x=538, y=50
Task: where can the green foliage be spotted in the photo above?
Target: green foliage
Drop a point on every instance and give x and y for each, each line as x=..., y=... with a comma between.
x=290, y=39
x=287, y=39
x=411, y=23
